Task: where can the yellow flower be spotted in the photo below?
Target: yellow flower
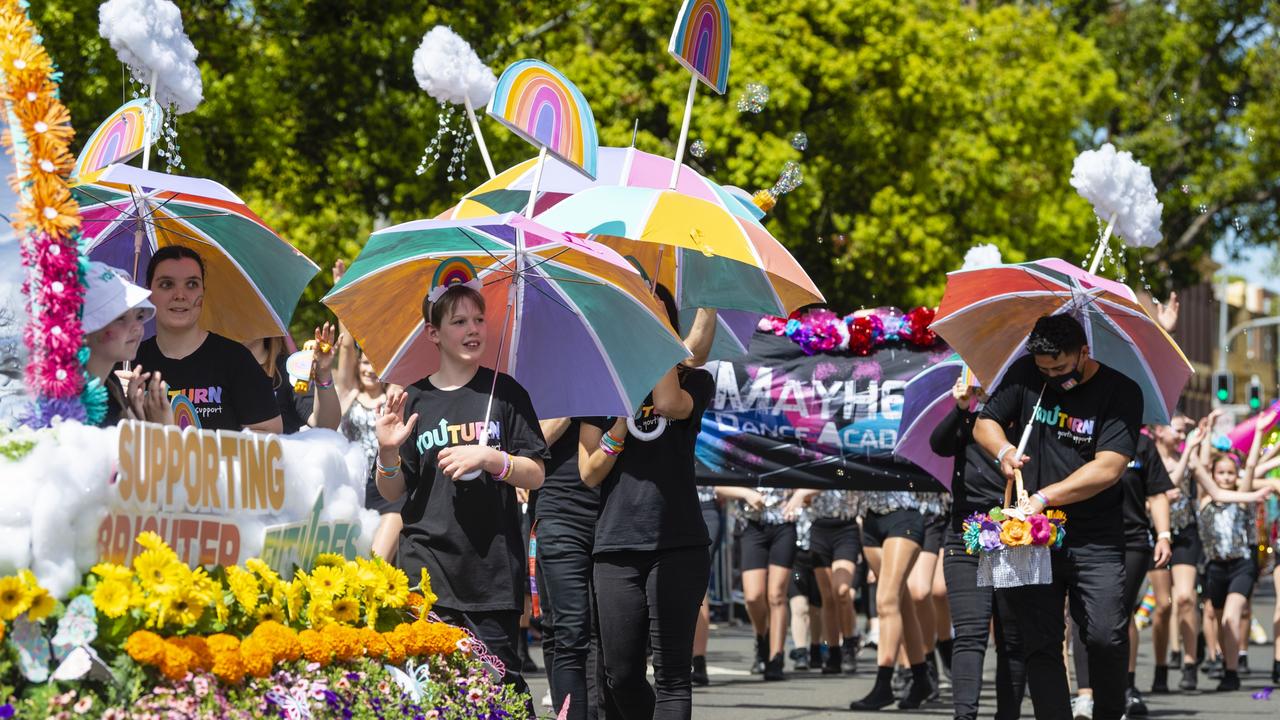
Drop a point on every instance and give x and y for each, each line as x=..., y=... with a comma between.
x=330, y=559
x=111, y=571
x=15, y=598
x=371, y=615
x=185, y=606
x=1015, y=533
x=41, y=605
x=271, y=613
x=151, y=541
x=373, y=584
x=111, y=598
x=264, y=572
x=1055, y=514
x=158, y=572
x=293, y=599
x=244, y=587
x=326, y=581
x=397, y=586
x=346, y=610
x=319, y=612
x=428, y=598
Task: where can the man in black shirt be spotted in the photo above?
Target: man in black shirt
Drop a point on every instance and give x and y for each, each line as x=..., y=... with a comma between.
x=1085, y=418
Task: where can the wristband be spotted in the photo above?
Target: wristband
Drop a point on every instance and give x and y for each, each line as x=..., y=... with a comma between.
x=1044, y=499
x=386, y=471
x=610, y=450
x=1005, y=449
x=325, y=384
x=507, y=466
x=1166, y=535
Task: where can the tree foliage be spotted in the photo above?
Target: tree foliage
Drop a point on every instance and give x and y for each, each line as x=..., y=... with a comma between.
x=932, y=126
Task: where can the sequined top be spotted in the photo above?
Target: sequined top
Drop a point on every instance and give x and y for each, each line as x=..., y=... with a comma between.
x=834, y=504
x=359, y=426
x=1225, y=530
x=706, y=494
x=1182, y=512
x=771, y=514
x=883, y=502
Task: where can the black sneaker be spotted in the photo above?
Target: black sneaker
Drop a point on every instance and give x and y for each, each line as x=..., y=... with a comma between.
x=1160, y=685
x=1189, y=678
x=877, y=699
x=1230, y=681
x=699, y=675
x=1213, y=668
x=762, y=654
x=1134, y=706
x=831, y=664
x=1242, y=665
x=800, y=658
x=918, y=693
x=1275, y=672
x=848, y=656
x=773, y=669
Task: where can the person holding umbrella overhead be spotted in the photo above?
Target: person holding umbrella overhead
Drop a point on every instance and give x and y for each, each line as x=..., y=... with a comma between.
x=468, y=441
x=976, y=486
x=217, y=375
x=1084, y=421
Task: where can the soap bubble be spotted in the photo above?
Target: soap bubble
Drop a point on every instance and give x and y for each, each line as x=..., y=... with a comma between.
x=800, y=141
x=698, y=149
x=753, y=98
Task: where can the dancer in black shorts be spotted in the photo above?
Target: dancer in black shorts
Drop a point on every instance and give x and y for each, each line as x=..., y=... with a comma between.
x=836, y=543
x=933, y=618
x=1175, y=585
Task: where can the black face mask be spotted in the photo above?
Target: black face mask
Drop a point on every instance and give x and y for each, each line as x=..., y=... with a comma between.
x=1066, y=381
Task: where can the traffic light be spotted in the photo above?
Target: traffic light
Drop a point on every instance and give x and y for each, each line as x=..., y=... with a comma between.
x=1224, y=387
x=1255, y=394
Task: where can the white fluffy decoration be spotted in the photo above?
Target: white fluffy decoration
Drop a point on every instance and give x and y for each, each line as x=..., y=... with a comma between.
x=449, y=70
x=55, y=499
x=981, y=256
x=1118, y=185
x=148, y=37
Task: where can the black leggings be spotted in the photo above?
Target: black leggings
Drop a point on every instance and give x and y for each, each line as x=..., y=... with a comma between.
x=1137, y=562
x=569, y=645
x=653, y=596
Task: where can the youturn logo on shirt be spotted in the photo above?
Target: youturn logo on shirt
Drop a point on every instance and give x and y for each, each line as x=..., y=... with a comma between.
x=646, y=425
x=1076, y=430
x=447, y=434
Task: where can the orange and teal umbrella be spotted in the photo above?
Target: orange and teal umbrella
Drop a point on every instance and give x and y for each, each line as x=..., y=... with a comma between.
x=583, y=335
x=253, y=278
x=987, y=314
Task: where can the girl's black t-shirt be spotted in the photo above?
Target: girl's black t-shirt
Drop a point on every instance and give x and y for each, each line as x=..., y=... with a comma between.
x=649, y=499
x=1145, y=476
x=564, y=497
x=466, y=533
x=1069, y=429
x=977, y=484
x=221, y=378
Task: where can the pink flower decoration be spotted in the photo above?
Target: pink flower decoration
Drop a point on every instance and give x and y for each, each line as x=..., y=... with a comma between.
x=1041, y=530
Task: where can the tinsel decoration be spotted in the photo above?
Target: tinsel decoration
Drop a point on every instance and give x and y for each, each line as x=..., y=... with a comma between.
x=859, y=333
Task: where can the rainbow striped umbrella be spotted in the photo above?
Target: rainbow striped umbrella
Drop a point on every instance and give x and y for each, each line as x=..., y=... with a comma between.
x=987, y=314
x=926, y=400
x=253, y=278
x=724, y=258
x=585, y=336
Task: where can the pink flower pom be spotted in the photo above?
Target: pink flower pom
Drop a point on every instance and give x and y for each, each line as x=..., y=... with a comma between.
x=60, y=379
x=1041, y=530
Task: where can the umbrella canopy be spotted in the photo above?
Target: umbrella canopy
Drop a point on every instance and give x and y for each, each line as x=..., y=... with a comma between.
x=584, y=336
x=926, y=400
x=987, y=314
x=253, y=278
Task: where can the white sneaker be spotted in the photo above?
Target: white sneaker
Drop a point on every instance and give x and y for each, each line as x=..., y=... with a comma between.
x=546, y=700
x=1082, y=707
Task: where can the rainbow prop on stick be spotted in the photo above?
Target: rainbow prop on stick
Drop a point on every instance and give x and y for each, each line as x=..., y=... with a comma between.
x=120, y=137
x=701, y=41
x=542, y=106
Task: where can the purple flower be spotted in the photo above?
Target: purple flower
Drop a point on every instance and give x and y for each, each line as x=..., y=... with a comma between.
x=6, y=711
x=990, y=540
x=990, y=527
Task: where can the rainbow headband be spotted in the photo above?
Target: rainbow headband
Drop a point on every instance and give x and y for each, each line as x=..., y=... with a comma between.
x=450, y=272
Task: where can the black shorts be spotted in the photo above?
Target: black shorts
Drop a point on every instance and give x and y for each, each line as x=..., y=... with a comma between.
x=935, y=531
x=1223, y=577
x=833, y=539
x=803, y=583
x=907, y=524
x=764, y=545
x=714, y=519
x=1187, y=549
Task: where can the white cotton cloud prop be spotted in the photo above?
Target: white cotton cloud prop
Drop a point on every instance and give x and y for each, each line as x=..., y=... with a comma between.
x=1119, y=186
x=981, y=256
x=448, y=68
x=148, y=36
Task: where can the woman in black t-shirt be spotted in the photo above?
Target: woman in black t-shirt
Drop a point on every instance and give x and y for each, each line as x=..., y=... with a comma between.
x=318, y=407
x=652, y=565
x=458, y=463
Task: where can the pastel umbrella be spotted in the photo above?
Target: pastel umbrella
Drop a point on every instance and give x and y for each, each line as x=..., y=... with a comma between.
x=253, y=278
x=987, y=314
x=585, y=337
x=735, y=262
x=926, y=400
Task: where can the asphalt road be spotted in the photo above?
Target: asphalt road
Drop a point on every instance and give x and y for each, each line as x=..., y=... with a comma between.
x=734, y=694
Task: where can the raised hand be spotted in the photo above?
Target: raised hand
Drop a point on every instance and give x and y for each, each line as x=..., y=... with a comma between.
x=1167, y=313
x=392, y=430
x=961, y=393
x=156, y=405
x=339, y=269
x=324, y=350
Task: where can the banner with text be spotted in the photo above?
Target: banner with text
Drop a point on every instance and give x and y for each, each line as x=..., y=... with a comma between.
x=780, y=418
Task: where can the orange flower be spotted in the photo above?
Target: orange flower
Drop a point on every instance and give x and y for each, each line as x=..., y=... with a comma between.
x=1015, y=533
x=202, y=656
x=346, y=642
x=316, y=647
x=227, y=665
x=177, y=660
x=146, y=648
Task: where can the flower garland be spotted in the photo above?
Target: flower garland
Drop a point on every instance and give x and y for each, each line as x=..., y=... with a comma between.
x=1003, y=529
x=860, y=333
x=48, y=221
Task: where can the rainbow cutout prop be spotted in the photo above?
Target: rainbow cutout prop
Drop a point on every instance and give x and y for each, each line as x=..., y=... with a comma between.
x=121, y=136
x=702, y=40
x=452, y=271
x=542, y=106
x=184, y=412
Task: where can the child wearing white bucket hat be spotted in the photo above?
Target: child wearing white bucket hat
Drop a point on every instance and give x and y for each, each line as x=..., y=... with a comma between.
x=115, y=311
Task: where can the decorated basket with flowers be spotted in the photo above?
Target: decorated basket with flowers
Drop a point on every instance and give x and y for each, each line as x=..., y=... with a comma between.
x=1013, y=547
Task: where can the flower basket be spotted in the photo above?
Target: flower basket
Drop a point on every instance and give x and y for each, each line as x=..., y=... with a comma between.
x=1013, y=547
